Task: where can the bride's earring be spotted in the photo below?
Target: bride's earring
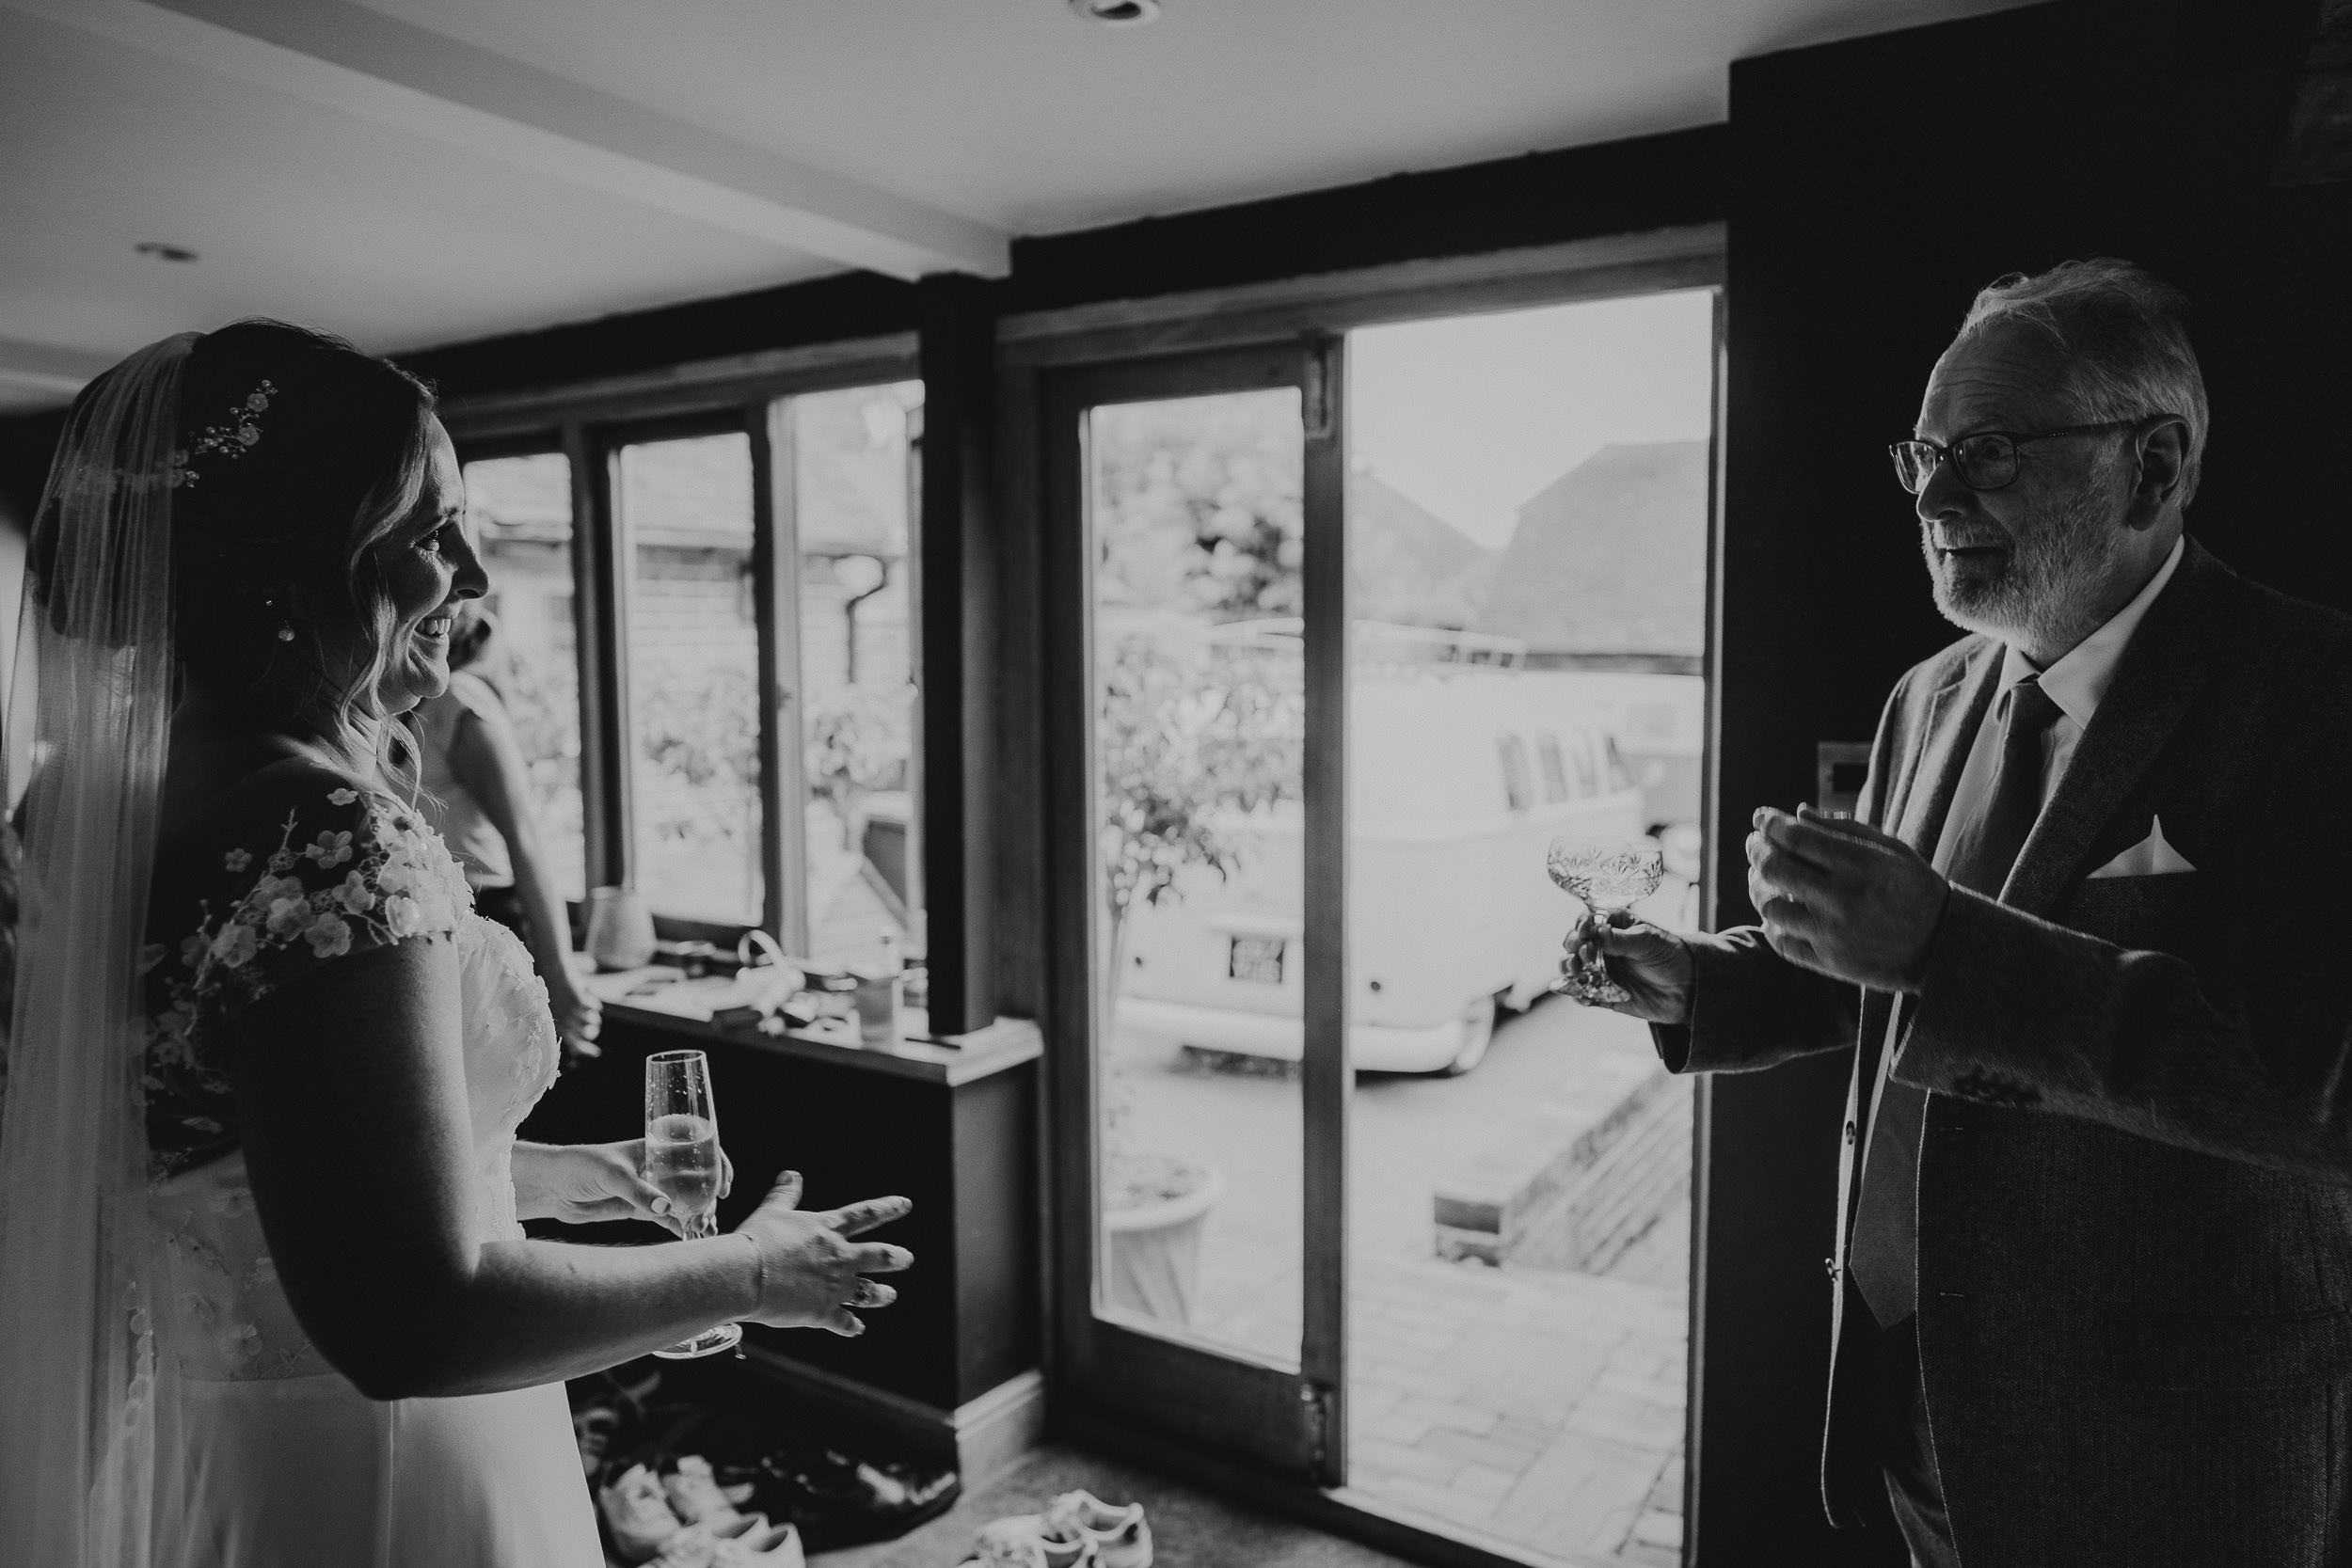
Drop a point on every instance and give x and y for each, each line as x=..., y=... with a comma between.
x=285, y=628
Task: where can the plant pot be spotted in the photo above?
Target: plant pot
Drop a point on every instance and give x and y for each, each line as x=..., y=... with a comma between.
x=1152, y=1249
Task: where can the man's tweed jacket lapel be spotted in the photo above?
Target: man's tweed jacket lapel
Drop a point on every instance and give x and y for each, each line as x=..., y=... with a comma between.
x=1928, y=748
x=2163, y=674
x=1915, y=803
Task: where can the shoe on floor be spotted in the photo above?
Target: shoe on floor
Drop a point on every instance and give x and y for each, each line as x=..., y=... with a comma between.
x=1015, y=1542
x=741, y=1541
x=768, y=1547
x=1120, y=1537
x=637, y=1511
x=695, y=1494
x=593, y=1428
x=840, y=1501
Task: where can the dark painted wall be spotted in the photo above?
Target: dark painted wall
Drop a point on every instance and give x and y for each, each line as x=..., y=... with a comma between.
x=1875, y=185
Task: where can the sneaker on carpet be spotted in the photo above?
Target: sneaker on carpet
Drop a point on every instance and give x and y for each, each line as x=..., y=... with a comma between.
x=593, y=1428
x=840, y=1501
x=1023, y=1548
x=741, y=1541
x=1120, y=1536
x=695, y=1494
x=1034, y=1541
x=637, y=1513
x=769, y=1546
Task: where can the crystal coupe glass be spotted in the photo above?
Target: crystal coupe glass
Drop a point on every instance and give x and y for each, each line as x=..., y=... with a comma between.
x=1607, y=876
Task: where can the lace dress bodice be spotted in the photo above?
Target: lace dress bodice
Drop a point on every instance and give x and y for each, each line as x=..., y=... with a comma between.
x=303, y=895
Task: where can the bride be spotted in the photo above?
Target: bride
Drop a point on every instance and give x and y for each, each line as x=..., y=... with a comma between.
x=265, y=1295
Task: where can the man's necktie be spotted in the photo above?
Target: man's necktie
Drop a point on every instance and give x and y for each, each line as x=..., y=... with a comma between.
x=1885, y=1257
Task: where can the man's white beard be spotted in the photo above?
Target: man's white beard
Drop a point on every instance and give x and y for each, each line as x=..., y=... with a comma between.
x=2050, y=573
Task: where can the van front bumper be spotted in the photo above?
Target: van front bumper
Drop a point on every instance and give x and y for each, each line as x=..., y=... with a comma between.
x=1372, y=1046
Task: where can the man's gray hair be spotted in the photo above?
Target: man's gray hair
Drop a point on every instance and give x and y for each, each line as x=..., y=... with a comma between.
x=2123, y=333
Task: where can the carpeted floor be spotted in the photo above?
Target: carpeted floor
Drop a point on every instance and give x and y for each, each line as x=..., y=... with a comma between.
x=1190, y=1528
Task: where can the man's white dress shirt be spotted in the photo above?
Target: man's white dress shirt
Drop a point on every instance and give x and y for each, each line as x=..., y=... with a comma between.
x=2077, y=682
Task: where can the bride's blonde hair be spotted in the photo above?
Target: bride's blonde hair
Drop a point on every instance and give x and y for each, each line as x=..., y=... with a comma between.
x=279, y=523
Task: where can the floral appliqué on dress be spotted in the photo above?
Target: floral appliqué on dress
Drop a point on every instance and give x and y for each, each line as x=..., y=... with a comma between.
x=369, y=876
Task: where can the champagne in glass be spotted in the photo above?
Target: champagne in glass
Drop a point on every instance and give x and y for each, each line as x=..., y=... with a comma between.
x=682, y=1159
x=1607, y=878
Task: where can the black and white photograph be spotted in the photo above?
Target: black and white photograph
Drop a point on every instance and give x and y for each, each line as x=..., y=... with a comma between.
x=1217, y=784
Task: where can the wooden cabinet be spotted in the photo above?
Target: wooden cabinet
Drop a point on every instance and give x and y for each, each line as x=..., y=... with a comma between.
x=948, y=1371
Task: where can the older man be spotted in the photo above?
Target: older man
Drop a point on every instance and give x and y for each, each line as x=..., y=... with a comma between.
x=2091, y=939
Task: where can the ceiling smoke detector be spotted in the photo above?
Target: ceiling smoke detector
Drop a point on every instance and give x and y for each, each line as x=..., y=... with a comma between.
x=1118, y=13
x=163, y=252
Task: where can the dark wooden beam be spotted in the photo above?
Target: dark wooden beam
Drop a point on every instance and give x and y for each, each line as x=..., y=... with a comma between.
x=1623, y=187
x=956, y=323
x=827, y=309
x=597, y=576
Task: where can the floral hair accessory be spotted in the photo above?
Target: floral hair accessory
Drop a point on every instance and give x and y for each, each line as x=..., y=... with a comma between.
x=243, y=430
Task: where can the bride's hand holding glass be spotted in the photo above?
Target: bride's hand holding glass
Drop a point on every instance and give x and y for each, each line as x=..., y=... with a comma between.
x=812, y=1275
x=586, y=1183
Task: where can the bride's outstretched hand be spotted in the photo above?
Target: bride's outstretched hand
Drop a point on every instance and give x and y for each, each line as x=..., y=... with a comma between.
x=812, y=1276
x=583, y=1183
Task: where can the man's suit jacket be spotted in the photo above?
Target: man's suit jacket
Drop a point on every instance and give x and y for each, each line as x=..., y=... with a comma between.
x=2134, y=1176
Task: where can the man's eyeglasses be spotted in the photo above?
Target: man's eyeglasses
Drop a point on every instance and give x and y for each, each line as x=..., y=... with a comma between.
x=1984, y=461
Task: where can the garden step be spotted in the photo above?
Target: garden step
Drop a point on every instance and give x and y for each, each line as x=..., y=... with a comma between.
x=1588, y=1225
x=1484, y=1210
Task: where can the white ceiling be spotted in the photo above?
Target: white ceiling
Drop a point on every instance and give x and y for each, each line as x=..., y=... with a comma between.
x=538, y=161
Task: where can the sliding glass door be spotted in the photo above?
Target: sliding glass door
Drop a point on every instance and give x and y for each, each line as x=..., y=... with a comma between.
x=1342, y=1194
x=1193, y=500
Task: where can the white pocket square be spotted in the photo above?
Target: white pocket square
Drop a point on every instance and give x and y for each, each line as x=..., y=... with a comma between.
x=2150, y=857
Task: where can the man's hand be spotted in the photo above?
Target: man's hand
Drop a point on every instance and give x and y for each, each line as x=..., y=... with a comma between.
x=1651, y=963
x=1843, y=899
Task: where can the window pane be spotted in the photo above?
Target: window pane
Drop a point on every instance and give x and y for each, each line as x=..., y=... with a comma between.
x=851, y=489
x=1527, y=557
x=1198, y=877
x=693, y=656
x=521, y=512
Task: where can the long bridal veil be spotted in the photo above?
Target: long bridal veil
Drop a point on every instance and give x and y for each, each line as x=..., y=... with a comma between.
x=89, y=1433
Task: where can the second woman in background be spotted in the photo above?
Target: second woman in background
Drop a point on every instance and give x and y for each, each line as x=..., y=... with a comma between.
x=477, y=796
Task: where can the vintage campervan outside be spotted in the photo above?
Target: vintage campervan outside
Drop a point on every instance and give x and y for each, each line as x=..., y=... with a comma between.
x=1463, y=765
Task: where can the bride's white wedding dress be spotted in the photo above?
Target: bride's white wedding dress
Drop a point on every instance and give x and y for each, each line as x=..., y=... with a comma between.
x=289, y=1465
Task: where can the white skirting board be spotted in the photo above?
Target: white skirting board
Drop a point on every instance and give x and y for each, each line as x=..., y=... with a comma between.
x=981, y=1437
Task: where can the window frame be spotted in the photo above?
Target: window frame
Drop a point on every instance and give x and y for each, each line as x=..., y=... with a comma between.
x=584, y=611
x=608, y=440
x=590, y=424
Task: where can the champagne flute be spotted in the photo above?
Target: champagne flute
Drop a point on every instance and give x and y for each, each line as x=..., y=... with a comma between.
x=1608, y=877
x=682, y=1159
